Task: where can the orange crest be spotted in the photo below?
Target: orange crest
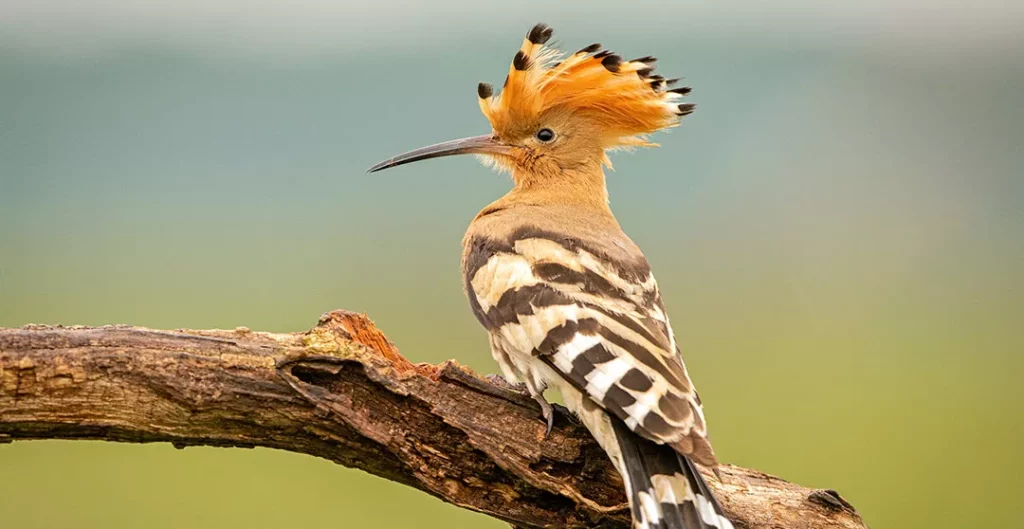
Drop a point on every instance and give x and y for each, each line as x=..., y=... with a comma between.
x=623, y=99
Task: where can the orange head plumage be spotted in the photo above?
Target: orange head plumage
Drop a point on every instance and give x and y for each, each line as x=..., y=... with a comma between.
x=622, y=100
x=560, y=113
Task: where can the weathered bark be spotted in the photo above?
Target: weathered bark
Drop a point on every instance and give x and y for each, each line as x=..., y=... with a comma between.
x=342, y=391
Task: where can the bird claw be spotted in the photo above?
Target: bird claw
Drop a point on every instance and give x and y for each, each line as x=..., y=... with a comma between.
x=547, y=411
x=722, y=478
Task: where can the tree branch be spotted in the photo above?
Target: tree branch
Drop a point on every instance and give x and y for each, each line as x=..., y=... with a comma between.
x=342, y=391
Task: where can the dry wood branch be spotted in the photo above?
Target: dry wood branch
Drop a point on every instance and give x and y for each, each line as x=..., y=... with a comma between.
x=342, y=391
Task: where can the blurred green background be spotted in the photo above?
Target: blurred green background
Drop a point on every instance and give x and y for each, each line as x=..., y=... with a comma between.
x=838, y=230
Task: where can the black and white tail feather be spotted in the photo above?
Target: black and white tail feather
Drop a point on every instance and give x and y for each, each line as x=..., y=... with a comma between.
x=664, y=488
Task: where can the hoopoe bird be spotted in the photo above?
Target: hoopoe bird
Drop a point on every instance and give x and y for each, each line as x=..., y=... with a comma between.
x=567, y=298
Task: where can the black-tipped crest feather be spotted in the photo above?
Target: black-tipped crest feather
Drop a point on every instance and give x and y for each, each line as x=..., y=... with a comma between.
x=612, y=63
x=520, y=61
x=540, y=34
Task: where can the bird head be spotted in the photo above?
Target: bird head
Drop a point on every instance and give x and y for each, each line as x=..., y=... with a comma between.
x=558, y=114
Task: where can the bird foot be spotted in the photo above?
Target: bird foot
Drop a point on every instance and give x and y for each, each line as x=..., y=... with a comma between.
x=547, y=411
x=505, y=383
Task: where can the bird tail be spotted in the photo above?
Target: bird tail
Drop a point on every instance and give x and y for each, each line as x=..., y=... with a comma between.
x=665, y=489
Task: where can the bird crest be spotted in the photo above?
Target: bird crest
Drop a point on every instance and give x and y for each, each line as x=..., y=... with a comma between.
x=623, y=100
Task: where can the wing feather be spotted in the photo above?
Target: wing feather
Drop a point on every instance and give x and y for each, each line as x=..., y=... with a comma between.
x=604, y=331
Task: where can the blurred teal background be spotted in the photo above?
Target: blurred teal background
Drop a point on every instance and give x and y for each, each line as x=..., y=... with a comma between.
x=838, y=230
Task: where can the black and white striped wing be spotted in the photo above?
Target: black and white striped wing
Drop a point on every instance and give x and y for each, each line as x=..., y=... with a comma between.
x=601, y=324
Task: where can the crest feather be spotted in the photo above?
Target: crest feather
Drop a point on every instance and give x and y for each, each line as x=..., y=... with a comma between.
x=625, y=100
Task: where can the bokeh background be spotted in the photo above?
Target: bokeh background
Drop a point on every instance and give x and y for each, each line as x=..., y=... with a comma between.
x=838, y=230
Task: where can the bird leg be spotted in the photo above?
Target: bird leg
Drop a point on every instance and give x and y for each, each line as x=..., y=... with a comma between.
x=545, y=407
x=547, y=411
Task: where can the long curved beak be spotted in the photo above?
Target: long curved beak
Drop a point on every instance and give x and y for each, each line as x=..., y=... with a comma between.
x=485, y=144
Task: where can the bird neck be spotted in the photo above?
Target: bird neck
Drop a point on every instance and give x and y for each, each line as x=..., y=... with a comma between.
x=578, y=187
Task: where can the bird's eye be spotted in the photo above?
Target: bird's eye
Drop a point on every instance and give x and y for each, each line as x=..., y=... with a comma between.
x=545, y=135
